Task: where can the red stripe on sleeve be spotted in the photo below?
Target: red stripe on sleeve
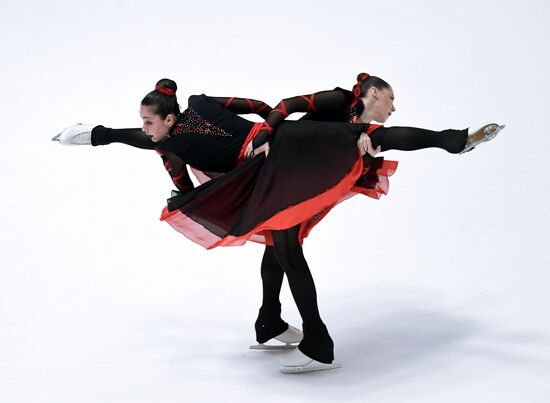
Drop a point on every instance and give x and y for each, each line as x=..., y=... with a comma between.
x=229, y=102
x=309, y=100
x=282, y=110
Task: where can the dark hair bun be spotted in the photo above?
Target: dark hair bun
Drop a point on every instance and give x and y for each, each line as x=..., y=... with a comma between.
x=163, y=98
x=167, y=83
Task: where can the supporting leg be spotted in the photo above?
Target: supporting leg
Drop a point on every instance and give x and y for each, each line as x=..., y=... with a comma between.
x=317, y=343
x=269, y=323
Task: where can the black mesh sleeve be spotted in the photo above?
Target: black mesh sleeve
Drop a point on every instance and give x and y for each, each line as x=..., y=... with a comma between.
x=177, y=170
x=318, y=102
x=244, y=105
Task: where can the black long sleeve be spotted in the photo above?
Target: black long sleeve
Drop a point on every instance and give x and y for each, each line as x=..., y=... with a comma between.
x=323, y=101
x=244, y=105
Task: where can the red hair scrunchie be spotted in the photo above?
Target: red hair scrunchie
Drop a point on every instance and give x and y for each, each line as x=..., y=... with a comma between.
x=362, y=77
x=166, y=91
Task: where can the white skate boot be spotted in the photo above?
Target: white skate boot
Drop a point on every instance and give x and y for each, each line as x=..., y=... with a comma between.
x=296, y=362
x=290, y=337
x=477, y=136
x=75, y=135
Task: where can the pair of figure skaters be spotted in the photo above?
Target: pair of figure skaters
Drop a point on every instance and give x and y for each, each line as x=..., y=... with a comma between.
x=272, y=182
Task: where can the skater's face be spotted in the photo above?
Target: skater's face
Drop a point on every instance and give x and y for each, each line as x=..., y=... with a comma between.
x=379, y=104
x=153, y=125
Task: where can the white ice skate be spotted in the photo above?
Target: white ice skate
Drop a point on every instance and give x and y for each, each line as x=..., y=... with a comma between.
x=75, y=135
x=478, y=135
x=296, y=362
x=290, y=337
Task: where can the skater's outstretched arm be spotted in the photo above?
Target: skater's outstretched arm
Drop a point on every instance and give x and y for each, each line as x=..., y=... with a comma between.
x=244, y=105
x=318, y=102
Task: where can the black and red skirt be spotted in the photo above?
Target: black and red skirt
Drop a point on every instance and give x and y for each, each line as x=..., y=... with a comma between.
x=311, y=167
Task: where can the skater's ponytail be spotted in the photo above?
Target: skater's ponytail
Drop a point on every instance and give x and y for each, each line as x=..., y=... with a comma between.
x=163, y=98
x=366, y=82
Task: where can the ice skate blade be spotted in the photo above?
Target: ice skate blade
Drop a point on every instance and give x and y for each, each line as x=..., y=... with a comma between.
x=310, y=367
x=272, y=347
x=483, y=134
x=56, y=138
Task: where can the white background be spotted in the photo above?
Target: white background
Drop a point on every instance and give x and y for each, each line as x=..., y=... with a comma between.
x=437, y=292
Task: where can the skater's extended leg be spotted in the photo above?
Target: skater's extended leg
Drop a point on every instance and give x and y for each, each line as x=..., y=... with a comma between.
x=98, y=135
x=412, y=138
x=317, y=343
x=132, y=137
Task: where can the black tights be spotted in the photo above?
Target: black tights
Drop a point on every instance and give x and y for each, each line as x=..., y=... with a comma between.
x=390, y=138
x=286, y=256
x=269, y=323
x=412, y=138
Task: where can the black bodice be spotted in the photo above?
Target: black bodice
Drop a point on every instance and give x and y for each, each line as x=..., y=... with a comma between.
x=207, y=136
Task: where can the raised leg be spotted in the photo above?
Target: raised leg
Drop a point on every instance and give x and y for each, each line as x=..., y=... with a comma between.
x=132, y=137
x=412, y=138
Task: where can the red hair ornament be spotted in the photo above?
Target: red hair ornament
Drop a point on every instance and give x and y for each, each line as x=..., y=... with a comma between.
x=166, y=91
x=362, y=77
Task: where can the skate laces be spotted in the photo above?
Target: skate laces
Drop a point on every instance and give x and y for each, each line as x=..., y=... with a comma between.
x=83, y=135
x=83, y=138
x=291, y=335
x=293, y=331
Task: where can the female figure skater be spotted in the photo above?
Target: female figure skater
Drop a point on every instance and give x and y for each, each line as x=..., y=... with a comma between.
x=278, y=199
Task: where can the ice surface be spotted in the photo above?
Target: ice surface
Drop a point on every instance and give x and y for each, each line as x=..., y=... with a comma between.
x=436, y=293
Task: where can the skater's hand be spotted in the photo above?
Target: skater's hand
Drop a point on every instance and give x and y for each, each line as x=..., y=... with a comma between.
x=365, y=145
x=250, y=152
